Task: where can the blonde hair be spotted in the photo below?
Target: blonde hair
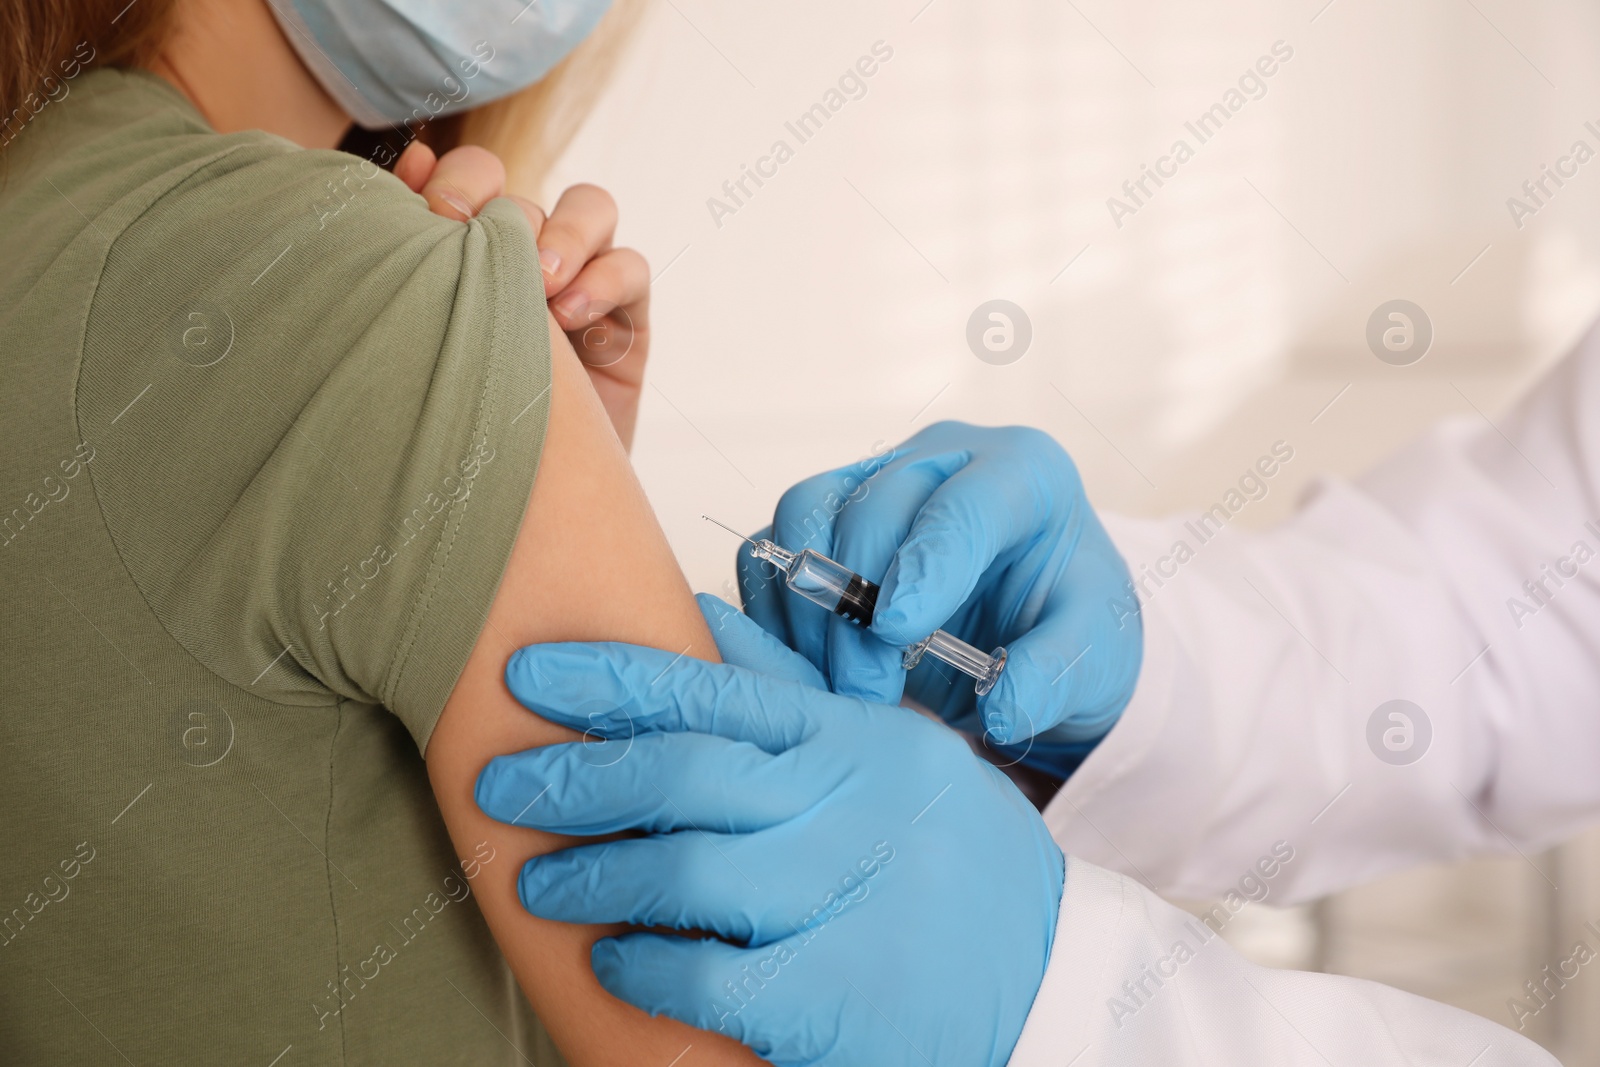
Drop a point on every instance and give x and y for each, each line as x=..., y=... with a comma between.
x=529, y=130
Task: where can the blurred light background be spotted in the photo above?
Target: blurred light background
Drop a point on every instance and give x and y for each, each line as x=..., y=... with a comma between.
x=828, y=311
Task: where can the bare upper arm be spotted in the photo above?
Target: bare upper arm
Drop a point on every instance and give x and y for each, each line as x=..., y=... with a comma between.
x=590, y=563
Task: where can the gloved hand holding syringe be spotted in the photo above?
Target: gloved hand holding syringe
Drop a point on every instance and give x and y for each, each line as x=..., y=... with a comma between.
x=840, y=590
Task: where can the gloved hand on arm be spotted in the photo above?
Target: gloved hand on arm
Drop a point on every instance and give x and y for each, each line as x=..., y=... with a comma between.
x=984, y=532
x=882, y=895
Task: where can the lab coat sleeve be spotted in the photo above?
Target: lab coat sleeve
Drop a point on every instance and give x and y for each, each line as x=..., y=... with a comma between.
x=1461, y=577
x=1134, y=980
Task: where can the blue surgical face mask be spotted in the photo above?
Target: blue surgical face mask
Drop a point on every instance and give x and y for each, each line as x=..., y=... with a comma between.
x=392, y=62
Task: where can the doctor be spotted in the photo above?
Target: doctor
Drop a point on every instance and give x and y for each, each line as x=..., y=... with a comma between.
x=1406, y=671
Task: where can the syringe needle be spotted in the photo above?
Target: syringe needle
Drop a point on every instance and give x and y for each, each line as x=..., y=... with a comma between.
x=730, y=529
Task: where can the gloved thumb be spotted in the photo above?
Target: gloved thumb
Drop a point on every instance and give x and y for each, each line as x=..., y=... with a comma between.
x=743, y=643
x=1064, y=681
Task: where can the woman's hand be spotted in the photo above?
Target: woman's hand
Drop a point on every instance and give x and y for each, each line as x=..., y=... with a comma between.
x=599, y=294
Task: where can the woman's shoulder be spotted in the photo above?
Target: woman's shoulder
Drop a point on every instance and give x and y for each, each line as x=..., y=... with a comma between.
x=125, y=152
x=123, y=190
x=313, y=354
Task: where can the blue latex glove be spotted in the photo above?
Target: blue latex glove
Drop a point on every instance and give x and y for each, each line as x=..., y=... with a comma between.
x=984, y=532
x=889, y=898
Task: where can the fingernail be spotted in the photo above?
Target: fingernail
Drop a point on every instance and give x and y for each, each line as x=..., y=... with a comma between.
x=483, y=788
x=570, y=303
x=606, y=959
x=889, y=620
x=996, y=727
x=457, y=201
x=529, y=885
x=488, y=791
x=549, y=260
x=894, y=622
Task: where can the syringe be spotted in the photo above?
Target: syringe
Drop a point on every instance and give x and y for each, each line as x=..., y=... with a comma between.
x=843, y=592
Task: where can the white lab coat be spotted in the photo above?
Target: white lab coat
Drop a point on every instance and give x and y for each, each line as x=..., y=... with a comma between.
x=1266, y=656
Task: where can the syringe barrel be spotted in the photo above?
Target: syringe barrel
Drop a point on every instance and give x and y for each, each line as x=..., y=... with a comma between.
x=835, y=587
x=843, y=592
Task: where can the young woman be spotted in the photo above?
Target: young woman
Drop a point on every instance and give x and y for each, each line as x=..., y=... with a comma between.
x=269, y=528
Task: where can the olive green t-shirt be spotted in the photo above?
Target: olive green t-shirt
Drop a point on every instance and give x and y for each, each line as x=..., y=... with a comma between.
x=267, y=432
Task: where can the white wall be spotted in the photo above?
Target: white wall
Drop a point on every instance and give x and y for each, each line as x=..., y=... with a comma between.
x=829, y=311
